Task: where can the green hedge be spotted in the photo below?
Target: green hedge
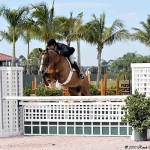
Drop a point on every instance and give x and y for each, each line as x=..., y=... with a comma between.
x=27, y=91
x=40, y=91
x=94, y=90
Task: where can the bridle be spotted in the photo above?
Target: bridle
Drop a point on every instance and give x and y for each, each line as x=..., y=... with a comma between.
x=49, y=66
x=46, y=65
x=49, y=70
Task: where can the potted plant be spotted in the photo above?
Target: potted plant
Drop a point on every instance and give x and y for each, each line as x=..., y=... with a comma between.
x=138, y=115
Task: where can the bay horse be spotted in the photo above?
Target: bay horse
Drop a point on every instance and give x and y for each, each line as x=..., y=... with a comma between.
x=57, y=67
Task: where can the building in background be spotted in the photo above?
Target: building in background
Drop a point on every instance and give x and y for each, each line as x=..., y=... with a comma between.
x=5, y=60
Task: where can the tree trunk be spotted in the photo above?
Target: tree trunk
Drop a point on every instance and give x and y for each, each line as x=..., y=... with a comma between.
x=99, y=67
x=78, y=53
x=28, y=69
x=68, y=43
x=13, y=52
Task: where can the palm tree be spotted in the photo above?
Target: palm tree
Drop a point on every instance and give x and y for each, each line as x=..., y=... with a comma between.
x=69, y=28
x=66, y=27
x=8, y=36
x=76, y=35
x=27, y=39
x=143, y=35
x=28, y=33
x=14, y=18
x=96, y=32
x=44, y=21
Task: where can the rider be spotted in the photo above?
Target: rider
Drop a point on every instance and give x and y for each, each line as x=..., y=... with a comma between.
x=66, y=51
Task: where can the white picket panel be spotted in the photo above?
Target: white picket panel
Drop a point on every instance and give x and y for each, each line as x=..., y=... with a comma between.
x=11, y=84
x=141, y=78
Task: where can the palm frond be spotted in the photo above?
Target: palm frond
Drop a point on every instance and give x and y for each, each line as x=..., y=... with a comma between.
x=117, y=36
x=8, y=35
x=143, y=35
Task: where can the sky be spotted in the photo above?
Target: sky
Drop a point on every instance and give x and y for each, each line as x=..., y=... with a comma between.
x=130, y=12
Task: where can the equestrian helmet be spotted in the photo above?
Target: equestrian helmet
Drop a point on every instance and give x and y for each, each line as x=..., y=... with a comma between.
x=51, y=42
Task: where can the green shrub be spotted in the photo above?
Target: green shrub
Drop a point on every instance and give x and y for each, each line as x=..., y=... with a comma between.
x=94, y=90
x=40, y=91
x=111, y=92
x=138, y=108
x=27, y=91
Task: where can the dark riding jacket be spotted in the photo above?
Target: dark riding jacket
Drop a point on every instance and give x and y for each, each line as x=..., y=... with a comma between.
x=65, y=50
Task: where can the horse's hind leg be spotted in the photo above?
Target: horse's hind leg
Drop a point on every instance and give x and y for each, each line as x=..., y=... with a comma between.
x=72, y=91
x=75, y=91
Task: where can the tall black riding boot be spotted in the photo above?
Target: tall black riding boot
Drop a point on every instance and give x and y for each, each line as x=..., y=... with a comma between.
x=75, y=66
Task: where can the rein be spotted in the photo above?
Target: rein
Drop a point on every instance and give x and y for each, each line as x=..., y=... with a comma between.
x=44, y=64
x=52, y=65
x=59, y=61
x=70, y=73
x=45, y=71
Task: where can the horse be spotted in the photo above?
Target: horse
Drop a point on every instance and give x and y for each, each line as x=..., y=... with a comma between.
x=57, y=67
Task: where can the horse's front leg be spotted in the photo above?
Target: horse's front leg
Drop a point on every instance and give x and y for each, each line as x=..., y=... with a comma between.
x=79, y=94
x=45, y=81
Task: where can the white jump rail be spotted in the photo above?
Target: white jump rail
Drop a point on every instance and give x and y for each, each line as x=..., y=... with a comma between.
x=57, y=115
x=114, y=98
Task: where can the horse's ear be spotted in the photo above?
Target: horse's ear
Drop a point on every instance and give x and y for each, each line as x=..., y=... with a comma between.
x=40, y=50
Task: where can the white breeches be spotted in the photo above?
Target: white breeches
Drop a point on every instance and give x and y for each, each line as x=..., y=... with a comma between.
x=71, y=59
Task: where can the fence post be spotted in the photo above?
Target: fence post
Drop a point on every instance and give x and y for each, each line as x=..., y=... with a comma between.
x=35, y=82
x=102, y=87
x=105, y=84
x=43, y=84
x=117, y=86
x=89, y=78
